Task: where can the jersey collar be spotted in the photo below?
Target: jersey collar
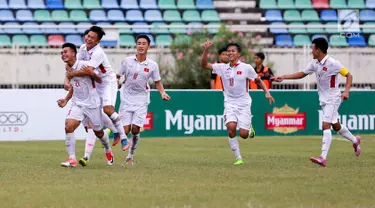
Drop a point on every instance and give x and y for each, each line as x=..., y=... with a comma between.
x=75, y=65
x=324, y=59
x=145, y=62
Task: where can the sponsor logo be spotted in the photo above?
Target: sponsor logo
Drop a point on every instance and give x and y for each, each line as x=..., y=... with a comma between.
x=353, y=122
x=149, y=121
x=285, y=120
x=13, y=118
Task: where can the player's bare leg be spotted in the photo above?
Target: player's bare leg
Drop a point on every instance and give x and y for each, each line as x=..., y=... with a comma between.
x=245, y=133
x=344, y=131
x=113, y=115
x=133, y=144
x=70, y=142
x=233, y=142
x=326, y=144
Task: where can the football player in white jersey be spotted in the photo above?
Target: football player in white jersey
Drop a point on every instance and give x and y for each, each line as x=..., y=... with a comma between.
x=237, y=102
x=135, y=91
x=86, y=105
x=327, y=70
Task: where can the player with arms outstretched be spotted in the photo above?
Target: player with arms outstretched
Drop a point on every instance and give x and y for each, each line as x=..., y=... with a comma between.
x=237, y=102
x=327, y=70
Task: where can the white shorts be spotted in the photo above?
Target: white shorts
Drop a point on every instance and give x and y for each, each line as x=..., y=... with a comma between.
x=240, y=115
x=108, y=93
x=90, y=116
x=330, y=113
x=133, y=114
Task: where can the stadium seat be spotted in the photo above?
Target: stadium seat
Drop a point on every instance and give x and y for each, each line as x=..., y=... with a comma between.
x=78, y=16
x=53, y=30
x=303, y=4
x=102, y=24
x=331, y=30
x=197, y=27
x=55, y=40
x=148, y=4
x=5, y=41
x=213, y=30
x=108, y=43
x=167, y=4
x=38, y=40
x=319, y=36
x=172, y=16
x=67, y=30
x=371, y=40
x=357, y=41
x=356, y=4
x=278, y=30
x=336, y=40
x=309, y=15
x=163, y=40
x=153, y=16
x=205, y=4
x=177, y=30
x=17, y=4
x=328, y=15
x=129, y=4
x=185, y=4
x=115, y=15
x=24, y=15
x=31, y=30
x=97, y=15
x=159, y=30
x=140, y=30
x=36, y=4
x=54, y=4
x=60, y=15
x=338, y=4
x=134, y=15
x=127, y=41
x=284, y=40
x=367, y=15
x=272, y=16
x=73, y=4
x=210, y=16
x=91, y=4
x=42, y=16
x=268, y=4
x=292, y=15
x=191, y=16
x=369, y=30
x=82, y=30
x=370, y=4
x=301, y=40
x=4, y=4
x=320, y=4
x=297, y=30
x=124, y=30
x=6, y=15
x=286, y=4
x=12, y=30
x=182, y=39
x=21, y=40
x=110, y=4
x=315, y=30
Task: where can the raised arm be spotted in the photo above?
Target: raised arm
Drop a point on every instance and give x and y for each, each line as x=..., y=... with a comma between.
x=204, y=61
x=90, y=71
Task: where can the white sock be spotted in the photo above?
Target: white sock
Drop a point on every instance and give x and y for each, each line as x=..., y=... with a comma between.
x=326, y=142
x=118, y=124
x=346, y=133
x=70, y=142
x=90, y=143
x=133, y=145
x=105, y=141
x=108, y=123
x=233, y=142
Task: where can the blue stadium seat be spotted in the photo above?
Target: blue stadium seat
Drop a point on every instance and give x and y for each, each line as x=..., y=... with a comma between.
x=153, y=16
x=75, y=39
x=192, y=30
x=204, y=4
x=134, y=16
x=17, y=4
x=273, y=15
x=36, y=4
x=12, y=30
x=6, y=15
x=108, y=43
x=370, y=4
x=4, y=4
x=319, y=36
x=140, y=30
x=110, y=4
x=67, y=30
x=82, y=30
x=278, y=30
x=101, y=24
x=357, y=41
x=24, y=15
x=31, y=30
x=115, y=15
x=367, y=15
x=97, y=15
x=284, y=41
x=148, y=4
x=129, y=4
x=50, y=30
x=328, y=15
x=55, y=4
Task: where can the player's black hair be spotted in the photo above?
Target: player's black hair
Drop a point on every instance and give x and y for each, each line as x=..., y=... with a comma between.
x=260, y=55
x=321, y=43
x=222, y=50
x=143, y=36
x=71, y=46
x=234, y=44
x=98, y=30
x=86, y=32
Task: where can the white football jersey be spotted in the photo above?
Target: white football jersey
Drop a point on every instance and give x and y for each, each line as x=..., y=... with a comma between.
x=84, y=92
x=326, y=72
x=135, y=90
x=235, y=82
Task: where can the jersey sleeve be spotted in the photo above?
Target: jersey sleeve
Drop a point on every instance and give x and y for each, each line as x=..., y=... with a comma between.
x=155, y=75
x=218, y=69
x=341, y=69
x=251, y=74
x=309, y=68
x=97, y=58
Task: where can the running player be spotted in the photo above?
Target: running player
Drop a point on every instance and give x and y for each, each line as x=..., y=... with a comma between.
x=326, y=70
x=235, y=76
x=85, y=105
x=135, y=91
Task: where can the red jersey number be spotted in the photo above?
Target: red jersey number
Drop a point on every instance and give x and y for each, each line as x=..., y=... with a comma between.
x=231, y=82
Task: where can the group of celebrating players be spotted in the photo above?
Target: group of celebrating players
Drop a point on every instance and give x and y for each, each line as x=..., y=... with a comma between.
x=93, y=86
